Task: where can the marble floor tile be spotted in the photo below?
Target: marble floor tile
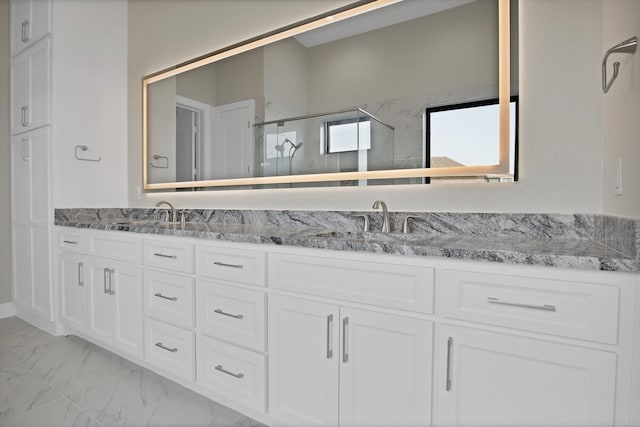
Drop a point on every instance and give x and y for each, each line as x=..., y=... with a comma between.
x=24, y=394
x=58, y=413
x=12, y=324
x=22, y=341
x=10, y=368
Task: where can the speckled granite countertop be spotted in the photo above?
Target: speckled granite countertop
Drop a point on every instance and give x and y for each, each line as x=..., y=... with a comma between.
x=586, y=242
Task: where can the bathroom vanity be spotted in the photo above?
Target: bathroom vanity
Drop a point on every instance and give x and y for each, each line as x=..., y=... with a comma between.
x=307, y=328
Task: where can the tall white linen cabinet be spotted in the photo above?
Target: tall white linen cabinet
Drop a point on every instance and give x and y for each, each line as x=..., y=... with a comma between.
x=68, y=91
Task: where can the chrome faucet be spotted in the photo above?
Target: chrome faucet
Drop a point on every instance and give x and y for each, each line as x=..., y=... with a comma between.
x=173, y=211
x=386, y=226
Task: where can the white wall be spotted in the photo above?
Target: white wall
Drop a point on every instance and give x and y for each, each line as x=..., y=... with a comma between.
x=621, y=132
x=89, y=102
x=561, y=128
x=5, y=170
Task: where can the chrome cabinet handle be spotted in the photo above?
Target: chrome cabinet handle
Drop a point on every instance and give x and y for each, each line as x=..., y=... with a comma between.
x=224, y=264
x=546, y=307
x=329, y=336
x=24, y=115
x=105, y=273
x=165, y=256
x=80, y=268
x=70, y=242
x=220, y=368
x=224, y=313
x=345, y=353
x=25, y=149
x=111, y=290
x=25, y=31
x=172, y=350
x=159, y=295
x=448, y=380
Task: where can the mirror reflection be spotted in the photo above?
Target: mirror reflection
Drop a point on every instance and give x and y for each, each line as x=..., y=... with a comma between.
x=351, y=96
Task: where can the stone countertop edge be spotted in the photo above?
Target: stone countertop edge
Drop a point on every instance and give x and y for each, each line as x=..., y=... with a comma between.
x=561, y=253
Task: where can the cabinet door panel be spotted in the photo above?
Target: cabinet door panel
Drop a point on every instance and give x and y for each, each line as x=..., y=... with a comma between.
x=504, y=380
x=127, y=295
x=73, y=296
x=20, y=91
x=385, y=374
x=20, y=179
x=303, y=373
x=100, y=324
x=42, y=283
x=22, y=273
x=39, y=176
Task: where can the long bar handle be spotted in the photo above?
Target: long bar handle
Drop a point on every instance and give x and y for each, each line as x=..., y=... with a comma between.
x=70, y=242
x=80, y=275
x=329, y=336
x=224, y=313
x=165, y=256
x=111, y=290
x=159, y=295
x=448, y=379
x=224, y=264
x=220, y=368
x=545, y=307
x=345, y=352
x=26, y=148
x=24, y=116
x=105, y=273
x=25, y=31
x=162, y=346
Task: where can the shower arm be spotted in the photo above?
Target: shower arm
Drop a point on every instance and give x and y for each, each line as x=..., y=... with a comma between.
x=627, y=46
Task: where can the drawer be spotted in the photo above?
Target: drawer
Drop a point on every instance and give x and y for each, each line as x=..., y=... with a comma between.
x=72, y=240
x=232, y=314
x=170, y=348
x=557, y=307
x=393, y=285
x=233, y=264
x=115, y=246
x=174, y=256
x=169, y=297
x=232, y=372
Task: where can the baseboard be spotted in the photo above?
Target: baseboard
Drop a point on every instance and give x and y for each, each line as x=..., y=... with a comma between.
x=7, y=310
x=40, y=323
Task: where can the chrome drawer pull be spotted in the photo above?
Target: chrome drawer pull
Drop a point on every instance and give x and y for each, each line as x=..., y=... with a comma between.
x=165, y=256
x=71, y=242
x=546, y=307
x=235, y=316
x=329, y=336
x=345, y=352
x=159, y=295
x=80, y=275
x=224, y=264
x=448, y=379
x=172, y=350
x=221, y=369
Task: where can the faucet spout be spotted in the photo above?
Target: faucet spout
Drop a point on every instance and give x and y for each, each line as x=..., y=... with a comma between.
x=173, y=210
x=386, y=225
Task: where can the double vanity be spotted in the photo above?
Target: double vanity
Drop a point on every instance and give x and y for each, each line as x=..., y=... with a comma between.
x=293, y=323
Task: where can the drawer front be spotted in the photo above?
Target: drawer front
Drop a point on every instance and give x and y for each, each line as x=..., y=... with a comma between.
x=170, y=348
x=72, y=241
x=406, y=287
x=169, y=297
x=231, y=371
x=175, y=256
x=114, y=246
x=232, y=314
x=571, y=309
x=236, y=265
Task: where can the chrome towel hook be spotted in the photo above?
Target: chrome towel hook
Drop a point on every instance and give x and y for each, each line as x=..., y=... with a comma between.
x=627, y=46
x=84, y=148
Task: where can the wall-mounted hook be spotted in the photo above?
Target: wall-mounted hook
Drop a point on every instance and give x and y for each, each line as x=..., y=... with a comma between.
x=627, y=46
x=157, y=157
x=84, y=148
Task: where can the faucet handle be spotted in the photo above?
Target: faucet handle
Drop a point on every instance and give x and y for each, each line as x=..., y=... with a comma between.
x=367, y=222
x=183, y=216
x=405, y=225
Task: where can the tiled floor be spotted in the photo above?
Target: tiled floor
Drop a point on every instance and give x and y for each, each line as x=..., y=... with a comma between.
x=66, y=381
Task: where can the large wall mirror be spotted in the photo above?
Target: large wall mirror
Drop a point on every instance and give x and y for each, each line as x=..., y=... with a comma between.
x=339, y=99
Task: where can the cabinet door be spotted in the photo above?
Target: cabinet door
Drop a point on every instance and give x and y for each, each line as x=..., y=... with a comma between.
x=30, y=21
x=303, y=369
x=385, y=371
x=101, y=304
x=31, y=88
x=488, y=378
x=21, y=265
x=126, y=293
x=73, y=296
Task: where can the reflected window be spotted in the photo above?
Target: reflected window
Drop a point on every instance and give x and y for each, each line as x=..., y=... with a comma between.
x=350, y=134
x=468, y=134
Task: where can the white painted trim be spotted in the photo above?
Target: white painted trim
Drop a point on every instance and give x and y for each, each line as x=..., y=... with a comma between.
x=7, y=310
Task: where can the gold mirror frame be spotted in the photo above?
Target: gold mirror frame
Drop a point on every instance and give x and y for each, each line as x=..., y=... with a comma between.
x=361, y=7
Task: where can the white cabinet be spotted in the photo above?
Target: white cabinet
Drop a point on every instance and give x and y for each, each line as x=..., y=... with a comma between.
x=115, y=304
x=30, y=218
x=30, y=21
x=31, y=88
x=497, y=379
x=335, y=365
x=73, y=295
